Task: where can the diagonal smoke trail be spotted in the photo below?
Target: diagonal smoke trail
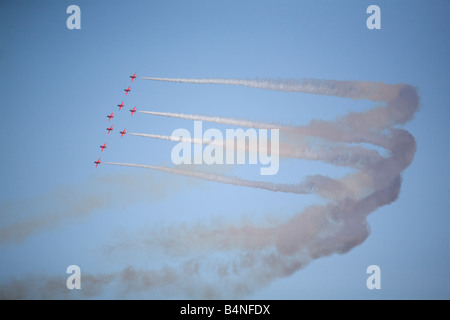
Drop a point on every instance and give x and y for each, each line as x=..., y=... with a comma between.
x=77, y=201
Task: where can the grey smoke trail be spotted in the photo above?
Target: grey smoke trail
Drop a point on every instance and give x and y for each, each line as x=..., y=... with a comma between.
x=74, y=202
x=132, y=280
x=311, y=185
x=44, y=287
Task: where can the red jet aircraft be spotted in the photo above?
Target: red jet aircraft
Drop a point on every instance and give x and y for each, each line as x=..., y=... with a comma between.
x=103, y=147
x=110, y=129
x=127, y=90
x=110, y=116
x=120, y=106
x=133, y=110
x=97, y=162
x=123, y=132
x=133, y=77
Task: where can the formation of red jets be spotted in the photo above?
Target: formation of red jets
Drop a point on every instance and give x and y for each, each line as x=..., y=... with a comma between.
x=111, y=116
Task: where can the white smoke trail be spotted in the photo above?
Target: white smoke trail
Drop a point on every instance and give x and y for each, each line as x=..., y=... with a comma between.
x=230, y=121
x=330, y=131
x=375, y=91
x=340, y=155
x=172, y=138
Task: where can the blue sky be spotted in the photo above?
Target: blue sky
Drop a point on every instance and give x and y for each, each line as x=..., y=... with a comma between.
x=58, y=85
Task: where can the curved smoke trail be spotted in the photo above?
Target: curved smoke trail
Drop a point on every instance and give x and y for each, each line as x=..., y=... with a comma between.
x=318, y=231
x=259, y=255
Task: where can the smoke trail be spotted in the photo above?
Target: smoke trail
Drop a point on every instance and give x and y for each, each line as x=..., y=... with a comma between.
x=311, y=185
x=75, y=202
x=230, y=121
x=375, y=91
x=262, y=254
x=401, y=104
x=365, y=127
x=131, y=280
x=340, y=155
x=171, y=138
x=337, y=227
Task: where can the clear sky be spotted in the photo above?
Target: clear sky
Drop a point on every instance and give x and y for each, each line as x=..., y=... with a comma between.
x=58, y=85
